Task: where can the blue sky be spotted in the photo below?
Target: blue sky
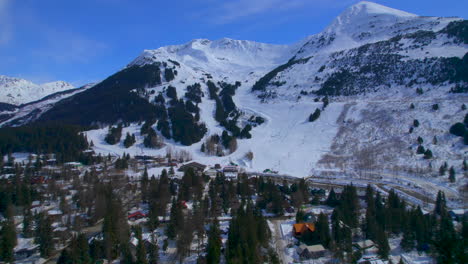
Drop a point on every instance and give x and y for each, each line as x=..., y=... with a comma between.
x=87, y=40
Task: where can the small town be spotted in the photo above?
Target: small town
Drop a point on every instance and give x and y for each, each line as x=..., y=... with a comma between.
x=114, y=210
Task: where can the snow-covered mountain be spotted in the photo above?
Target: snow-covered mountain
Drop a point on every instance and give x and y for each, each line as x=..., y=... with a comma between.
x=372, y=73
x=18, y=91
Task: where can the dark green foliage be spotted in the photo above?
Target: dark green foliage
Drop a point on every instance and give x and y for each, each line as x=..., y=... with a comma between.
x=419, y=91
x=213, y=249
x=185, y=129
x=458, y=129
x=171, y=92
x=114, y=135
x=263, y=82
x=122, y=162
x=145, y=128
x=115, y=227
x=152, y=140
x=323, y=230
x=191, y=107
x=169, y=74
x=435, y=107
x=163, y=126
x=194, y=93
x=110, y=100
x=314, y=116
x=64, y=140
x=384, y=69
x=452, y=174
x=420, y=140
x=428, y=154
x=459, y=88
x=7, y=240
x=77, y=252
x=382, y=244
x=416, y=123
x=332, y=199
x=248, y=234
x=349, y=206
x=411, y=106
x=457, y=30
x=300, y=216
x=44, y=235
x=420, y=150
x=245, y=133
x=443, y=169
x=129, y=140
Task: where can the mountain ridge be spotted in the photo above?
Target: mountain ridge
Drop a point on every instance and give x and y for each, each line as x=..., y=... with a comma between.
x=19, y=91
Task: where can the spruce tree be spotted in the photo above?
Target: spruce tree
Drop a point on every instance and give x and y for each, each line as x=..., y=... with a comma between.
x=213, y=255
x=382, y=244
x=452, y=174
x=7, y=240
x=44, y=235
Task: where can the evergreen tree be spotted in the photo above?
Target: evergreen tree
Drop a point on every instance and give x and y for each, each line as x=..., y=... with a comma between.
x=408, y=241
x=213, y=250
x=323, y=230
x=44, y=235
x=428, y=154
x=129, y=140
x=382, y=244
x=300, y=216
x=7, y=240
x=452, y=174
x=314, y=116
x=140, y=250
x=420, y=140
x=332, y=200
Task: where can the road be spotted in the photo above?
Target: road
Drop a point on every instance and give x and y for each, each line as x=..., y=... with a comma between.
x=280, y=243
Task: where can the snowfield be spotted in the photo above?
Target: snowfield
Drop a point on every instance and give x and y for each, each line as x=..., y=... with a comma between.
x=18, y=91
x=368, y=131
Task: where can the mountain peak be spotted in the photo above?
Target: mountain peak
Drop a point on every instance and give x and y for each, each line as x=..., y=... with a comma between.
x=19, y=91
x=371, y=8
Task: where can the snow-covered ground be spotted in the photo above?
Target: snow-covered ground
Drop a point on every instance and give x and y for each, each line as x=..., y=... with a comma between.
x=19, y=91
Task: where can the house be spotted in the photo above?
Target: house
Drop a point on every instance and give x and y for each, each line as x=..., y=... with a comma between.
x=458, y=214
x=211, y=172
x=26, y=252
x=136, y=215
x=302, y=228
x=308, y=252
x=230, y=171
x=363, y=245
x=197, y=167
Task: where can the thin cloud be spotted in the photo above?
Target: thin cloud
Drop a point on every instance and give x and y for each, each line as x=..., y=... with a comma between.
x=69, y=47
x=5, y=22
x=232, y=11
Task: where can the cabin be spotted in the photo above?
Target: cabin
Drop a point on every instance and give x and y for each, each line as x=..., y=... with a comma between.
x=136, y=216
x=311, y=252
x=26, y=252
x=197, y=167
x=230, y=171
x=212, y=173
x=302, y=228
x=363, y=245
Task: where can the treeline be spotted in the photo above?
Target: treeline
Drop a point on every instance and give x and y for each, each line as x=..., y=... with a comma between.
x=433, y=233
x=248, y=237
x=64, y=140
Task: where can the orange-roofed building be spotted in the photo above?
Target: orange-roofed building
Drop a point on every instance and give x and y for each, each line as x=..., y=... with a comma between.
x=301, y=228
